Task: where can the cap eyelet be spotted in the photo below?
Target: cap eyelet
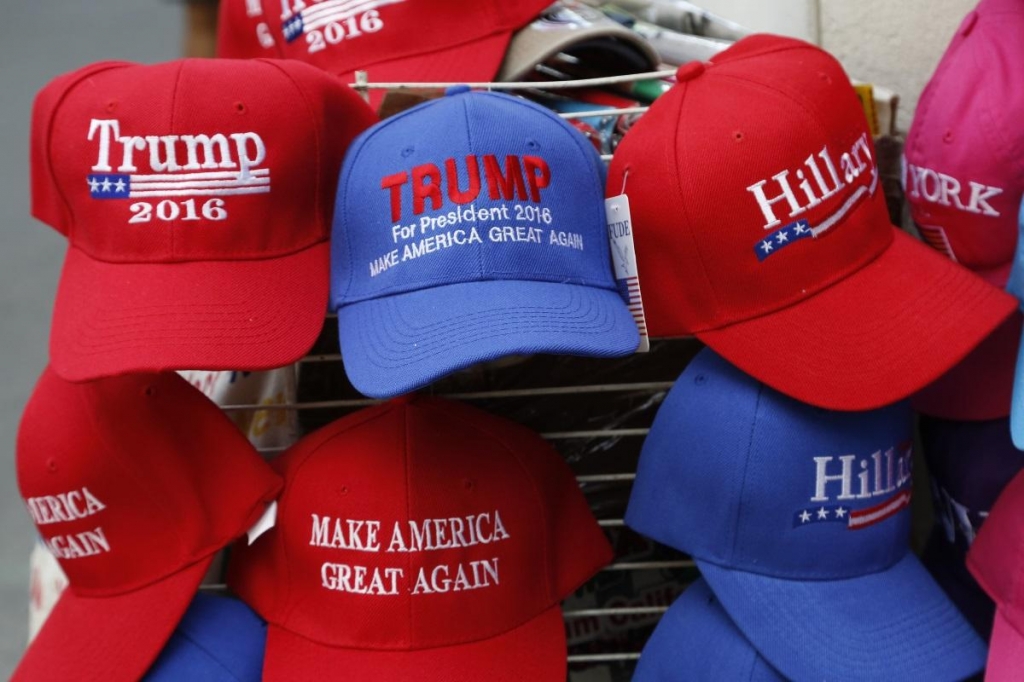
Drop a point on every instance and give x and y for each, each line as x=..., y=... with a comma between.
x=343, y=490
x=738, y=135
x=51, y=465
x=825, y=77
x=948, y=137
x=407, y=152
x=468, y=484
x=533, y=144
x=149, y=391
x=700, y=379
x=240, y=107
x=111, y=105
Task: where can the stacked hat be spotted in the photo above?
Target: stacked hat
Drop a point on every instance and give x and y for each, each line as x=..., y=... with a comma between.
x=196, y=198
x=996, y=561
x=798, y=518
x=1016, y=286
x=134, y=484
x=762, y=229
x=406, y=41
x=218, y=640
x=963, y=176
x=970, y=463
x=695, y=641
x=420, y=539
x=484, y=238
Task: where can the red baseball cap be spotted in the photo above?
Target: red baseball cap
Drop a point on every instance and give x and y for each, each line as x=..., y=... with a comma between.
x=406, y=41
x=762, y=229
x=996, y=560
x=420, y=539
x=963, y=174
x=196, y=196
x=134, y=484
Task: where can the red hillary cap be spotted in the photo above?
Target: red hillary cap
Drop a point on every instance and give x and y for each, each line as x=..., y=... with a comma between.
x=762, y=229
x=134, y=483
x=996, y=560
x=963, y=175
x=392, y=40
x=196, y=196
x=420, y=539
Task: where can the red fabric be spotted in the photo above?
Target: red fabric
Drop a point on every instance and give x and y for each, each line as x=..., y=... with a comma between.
x=407, y=461
x=826, y=319
x=1005, y=652
x=134, y=482
x=238, y=238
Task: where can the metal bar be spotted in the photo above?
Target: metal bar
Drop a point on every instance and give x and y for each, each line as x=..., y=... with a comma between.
x=523, y=85
x=597, y=433
x=614, y=611
x=649, y=565
x=605, y=478
x=603, y=658
x=611, y=523
x=603, y=112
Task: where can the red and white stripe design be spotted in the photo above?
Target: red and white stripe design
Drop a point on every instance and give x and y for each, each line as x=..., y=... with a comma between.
x=219, y=183
x=872, y=515
x=636, y=306
x=936, y=238
x=323, y=13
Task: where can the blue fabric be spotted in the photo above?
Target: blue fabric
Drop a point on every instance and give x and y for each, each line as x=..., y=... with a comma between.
x=503, y=255
x=218, y=640
x=799, y=520
x=1015, y=285
x=695, y=641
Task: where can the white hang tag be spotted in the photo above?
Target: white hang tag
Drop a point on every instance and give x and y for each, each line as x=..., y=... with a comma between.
x=620, y=236
x=265, y=523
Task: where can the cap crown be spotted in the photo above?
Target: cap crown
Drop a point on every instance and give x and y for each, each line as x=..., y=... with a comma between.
x=130, y=479
x=499, y=189
x=419, y=524
x=191, y=159
x=741, y=476
x=995, y=555
x=752, y=184
x=342, y=36
x=963, y=170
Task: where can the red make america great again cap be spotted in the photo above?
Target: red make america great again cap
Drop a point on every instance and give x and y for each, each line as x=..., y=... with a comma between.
x=762, y=229
x=196, y=196
x=134, y=483
x=420, y=540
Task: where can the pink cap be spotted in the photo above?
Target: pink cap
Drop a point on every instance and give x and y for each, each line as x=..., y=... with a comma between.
x=996, y=560
x=963, y=173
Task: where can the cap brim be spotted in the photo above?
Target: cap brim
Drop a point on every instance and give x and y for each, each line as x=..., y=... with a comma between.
x=1017, y=402
x=534, y=651
x=110, y=638
x=873, y=338
x=1005, y=652
x=892, y=625
x=115, y=318
x=472, y=62
x=399, y=343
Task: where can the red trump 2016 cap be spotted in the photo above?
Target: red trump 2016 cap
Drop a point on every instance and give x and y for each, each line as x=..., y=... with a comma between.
x=196, y=196
x=420, y=539
x=392, y=40
x=762, y=229
x=134, y=483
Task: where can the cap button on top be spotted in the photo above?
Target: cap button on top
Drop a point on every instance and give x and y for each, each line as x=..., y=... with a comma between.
x=689, y=71
x=456, y=90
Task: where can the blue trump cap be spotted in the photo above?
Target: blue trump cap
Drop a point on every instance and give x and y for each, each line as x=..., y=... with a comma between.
x=219, y=640
x=1015, y=285
x=798, y=518
x=695, y=641
x=469, y=228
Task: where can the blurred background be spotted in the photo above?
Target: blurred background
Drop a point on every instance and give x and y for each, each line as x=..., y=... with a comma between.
x=892, y=44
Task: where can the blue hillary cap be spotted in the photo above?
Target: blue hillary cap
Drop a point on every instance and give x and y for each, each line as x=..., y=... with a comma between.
x=798, y=518
x=218, y=640
x=469, y=228
x=695, y=641
x=1015, y=285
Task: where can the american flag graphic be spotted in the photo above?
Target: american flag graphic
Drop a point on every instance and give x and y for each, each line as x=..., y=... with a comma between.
x=935, y=237
x=210, y=183
x=854, y=519
x=320, y=14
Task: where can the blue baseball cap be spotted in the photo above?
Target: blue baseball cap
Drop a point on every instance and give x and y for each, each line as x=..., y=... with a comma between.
x=696, y=642
x=1015, y=285
x=969, y=463
x=469, y=228
x=219, y=640
x=798, y=517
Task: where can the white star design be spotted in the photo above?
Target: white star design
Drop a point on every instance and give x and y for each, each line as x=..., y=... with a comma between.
x=766, y=246
x=782, y=237
x=840, y=512
x=823, y=513
x=93, y=184
x=106, y=184
x=119, y=185
x=800, y=229
x=805, y=517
